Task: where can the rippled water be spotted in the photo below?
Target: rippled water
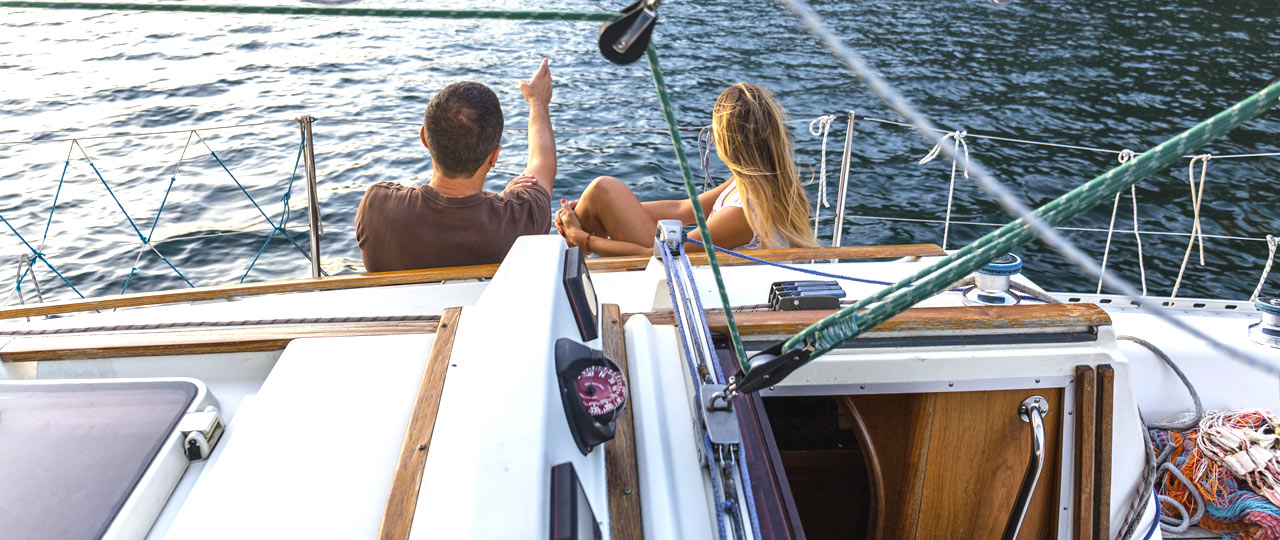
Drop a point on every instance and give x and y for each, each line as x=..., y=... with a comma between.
x=1111, y=74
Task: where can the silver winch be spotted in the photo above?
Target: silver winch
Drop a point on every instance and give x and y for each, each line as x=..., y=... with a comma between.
x=990, y=286
x=1267, y=331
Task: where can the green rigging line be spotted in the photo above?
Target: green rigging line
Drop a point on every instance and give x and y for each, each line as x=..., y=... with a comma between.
x=836, y=328
x=669, y=114
x=508, y=14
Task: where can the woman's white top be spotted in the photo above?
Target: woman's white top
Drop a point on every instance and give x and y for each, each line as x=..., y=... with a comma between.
x=731, y=198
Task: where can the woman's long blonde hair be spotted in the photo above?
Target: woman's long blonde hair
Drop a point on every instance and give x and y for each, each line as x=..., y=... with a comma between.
x=751, y=137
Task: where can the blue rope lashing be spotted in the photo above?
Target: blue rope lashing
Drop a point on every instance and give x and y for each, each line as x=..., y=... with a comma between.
x=715, y=488
x=702, y=318
x=260, y=250
x=684, y=339
x=749, y=494
x=818, y=273
x=49, y=222
x=117, y=200
x=175, y=269
x=163, y=200
x=40, y=256
x=242, y=189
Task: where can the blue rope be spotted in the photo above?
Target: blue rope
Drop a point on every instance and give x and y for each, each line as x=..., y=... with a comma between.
x=749, y=494
x=117, y=200
x=163, y=200
x=65, y=165
x=255, y=257
x=684, y=340
x=127, y=279
x=715, y=487
x=702, y=317
x=697, y=388
x=40, y=256
x=788, y=267
x=151, y=233
x=285, y=212
x=816, y=272
x=242, y=189
x=1155, y=523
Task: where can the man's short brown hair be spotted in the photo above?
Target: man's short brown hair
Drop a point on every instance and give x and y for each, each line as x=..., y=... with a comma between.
x=463, y=125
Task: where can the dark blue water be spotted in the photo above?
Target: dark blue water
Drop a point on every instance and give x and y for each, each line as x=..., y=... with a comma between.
x=1110, y=74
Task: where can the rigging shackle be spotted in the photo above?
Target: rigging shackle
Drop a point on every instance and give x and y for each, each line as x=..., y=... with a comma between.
x=624, y=41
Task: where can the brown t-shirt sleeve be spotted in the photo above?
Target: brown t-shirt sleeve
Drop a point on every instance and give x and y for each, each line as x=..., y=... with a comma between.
x=532, y=209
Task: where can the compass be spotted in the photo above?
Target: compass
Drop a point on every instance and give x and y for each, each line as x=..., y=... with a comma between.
x=601, y=389
x=592, y=390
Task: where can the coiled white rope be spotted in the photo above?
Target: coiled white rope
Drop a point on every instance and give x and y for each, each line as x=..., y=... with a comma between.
x=1197, y=196
x=958, y=137
x=1124, y=157
x=821, y=126
x=1272, y=241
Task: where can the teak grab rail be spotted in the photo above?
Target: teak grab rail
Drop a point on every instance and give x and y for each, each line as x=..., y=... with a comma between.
x=408, y=277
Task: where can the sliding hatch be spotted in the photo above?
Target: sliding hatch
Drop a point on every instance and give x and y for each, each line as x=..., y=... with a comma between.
x=88, y=459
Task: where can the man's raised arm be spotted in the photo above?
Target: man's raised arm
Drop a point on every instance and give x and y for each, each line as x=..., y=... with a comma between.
x=542, y=142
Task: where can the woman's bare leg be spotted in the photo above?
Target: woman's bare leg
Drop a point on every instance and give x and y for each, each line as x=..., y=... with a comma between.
x=609, y=208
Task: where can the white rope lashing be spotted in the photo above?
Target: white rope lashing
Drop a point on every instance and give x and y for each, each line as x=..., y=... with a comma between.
x=958, y=137
x=821, y=126
x=1197, y=196
x=1124, y=157
x=1272, y=241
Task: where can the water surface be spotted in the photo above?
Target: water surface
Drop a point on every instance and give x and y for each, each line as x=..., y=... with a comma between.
x=1109, y=74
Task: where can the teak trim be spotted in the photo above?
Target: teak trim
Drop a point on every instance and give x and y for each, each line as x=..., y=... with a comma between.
x=409, y=277
x=83, y=346
x=1086, y=449
x=405, y=486
x=1102, y=478
x=621, y=463
x=915, y=319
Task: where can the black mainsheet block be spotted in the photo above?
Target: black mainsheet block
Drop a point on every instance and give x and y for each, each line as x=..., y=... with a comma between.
x=71, y=452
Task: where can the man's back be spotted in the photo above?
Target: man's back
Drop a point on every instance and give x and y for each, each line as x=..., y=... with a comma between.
x=401, y=228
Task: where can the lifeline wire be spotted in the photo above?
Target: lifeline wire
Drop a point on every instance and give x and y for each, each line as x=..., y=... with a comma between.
x=1019, y=232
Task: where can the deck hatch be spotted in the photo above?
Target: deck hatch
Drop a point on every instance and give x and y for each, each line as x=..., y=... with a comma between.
x=72, y=448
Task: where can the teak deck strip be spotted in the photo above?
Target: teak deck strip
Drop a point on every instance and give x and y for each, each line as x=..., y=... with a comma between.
x=620, y=459
x=409, y=277
x=915, y=319
x=1102, y=481
x=1086, y=430
x=407, y=482
x=189, y=340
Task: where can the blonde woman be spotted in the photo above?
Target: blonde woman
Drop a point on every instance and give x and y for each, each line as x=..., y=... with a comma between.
x=761, y=207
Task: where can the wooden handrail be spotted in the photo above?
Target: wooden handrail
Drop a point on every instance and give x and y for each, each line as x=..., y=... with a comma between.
x=915, y=319
x=408, y=277
x=80, y=346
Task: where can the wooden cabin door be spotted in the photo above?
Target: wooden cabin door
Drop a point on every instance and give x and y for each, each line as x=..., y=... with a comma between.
x=949, y=464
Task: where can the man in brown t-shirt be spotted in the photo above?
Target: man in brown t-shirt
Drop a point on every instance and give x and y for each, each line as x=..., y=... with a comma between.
x=452, y=220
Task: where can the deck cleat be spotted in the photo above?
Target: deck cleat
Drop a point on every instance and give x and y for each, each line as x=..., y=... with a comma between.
x=992, y=283
x=1267, y=331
